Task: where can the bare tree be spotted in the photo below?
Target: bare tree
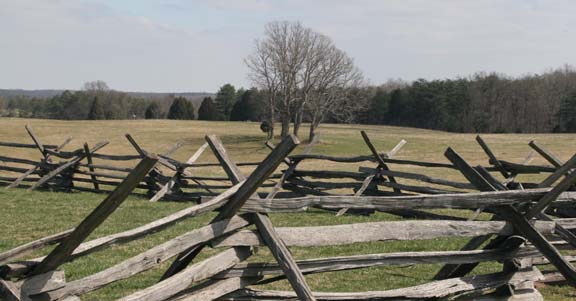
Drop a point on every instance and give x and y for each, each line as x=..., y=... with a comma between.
x=263, y=75
x=97, y=86
x=300, y=70
x=276, y=63
x=317, y=47
x=335, y=78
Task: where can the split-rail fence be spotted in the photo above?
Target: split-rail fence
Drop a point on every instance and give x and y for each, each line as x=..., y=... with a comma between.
x=531, y=223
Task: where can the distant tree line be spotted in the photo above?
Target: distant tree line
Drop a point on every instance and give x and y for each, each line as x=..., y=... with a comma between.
x=233, y=105
x=77, y=105
x=489, y=103
x=94, y=102
x=98, y=102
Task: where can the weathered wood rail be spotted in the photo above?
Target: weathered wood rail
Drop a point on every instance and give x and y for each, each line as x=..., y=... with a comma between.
x=520, y=236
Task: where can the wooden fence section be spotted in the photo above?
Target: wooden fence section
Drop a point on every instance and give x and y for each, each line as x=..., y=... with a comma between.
x=306, y=181
x=87, y=169
x=520, y=236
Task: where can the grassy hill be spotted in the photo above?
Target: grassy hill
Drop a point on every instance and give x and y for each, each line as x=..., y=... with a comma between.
x=29, y=215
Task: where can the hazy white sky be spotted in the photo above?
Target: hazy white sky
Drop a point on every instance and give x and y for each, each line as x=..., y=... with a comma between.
x=198, y=45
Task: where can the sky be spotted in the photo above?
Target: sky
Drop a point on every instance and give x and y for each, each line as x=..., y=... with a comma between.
x=199, y=45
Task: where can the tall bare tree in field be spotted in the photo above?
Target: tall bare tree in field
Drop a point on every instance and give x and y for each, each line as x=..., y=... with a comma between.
x=276, y=64
x=335, y=77
x=301, y=71
x=263, y=76
x=309, y=78
x=97, y=85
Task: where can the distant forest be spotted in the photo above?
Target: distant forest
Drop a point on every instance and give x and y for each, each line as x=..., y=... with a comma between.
x=487, y=103
x=96, y=101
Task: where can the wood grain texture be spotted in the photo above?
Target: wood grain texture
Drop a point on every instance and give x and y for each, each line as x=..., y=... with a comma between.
x=546, y=154
x=435, y=289
x=148, y=259
x=216, y=289
x=385, y=203
x=26, y=248
x=378, y=231
x=322, y=265
x=192, y=274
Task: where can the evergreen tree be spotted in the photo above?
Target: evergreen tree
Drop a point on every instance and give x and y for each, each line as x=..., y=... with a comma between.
x=239, y=93
x=396, y=107
x=207, y=110
x=152, y=111
x=378, y=107
x=96, y=110
x=238, y=111
x=249, y=107
x=181, y=109
x=568, y=114
x=225, y=99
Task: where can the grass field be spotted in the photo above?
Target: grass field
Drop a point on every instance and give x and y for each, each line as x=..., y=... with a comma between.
x=25, y=216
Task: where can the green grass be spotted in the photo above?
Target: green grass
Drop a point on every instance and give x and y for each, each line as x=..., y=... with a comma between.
x=25, y=216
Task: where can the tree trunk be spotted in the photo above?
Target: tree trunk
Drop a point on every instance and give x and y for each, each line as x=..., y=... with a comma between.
x=312, y=133
x=314, y=123
x=297, y=122
x=271, y=118
x=285, y=124
x=299, y=116
x=271, y=131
